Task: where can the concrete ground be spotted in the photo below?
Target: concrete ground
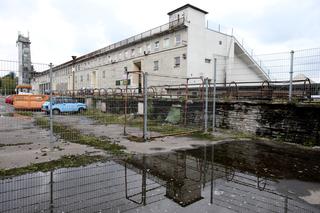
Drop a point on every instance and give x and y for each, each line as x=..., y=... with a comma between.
x=115, y=134
x=22, y=143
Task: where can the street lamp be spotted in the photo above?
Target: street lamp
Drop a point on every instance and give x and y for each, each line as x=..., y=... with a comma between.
x=73, y=71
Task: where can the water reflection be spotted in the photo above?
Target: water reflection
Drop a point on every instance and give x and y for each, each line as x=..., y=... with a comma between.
x=237, y=176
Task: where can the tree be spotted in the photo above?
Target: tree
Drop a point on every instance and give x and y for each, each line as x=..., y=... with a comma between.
x=8, y=83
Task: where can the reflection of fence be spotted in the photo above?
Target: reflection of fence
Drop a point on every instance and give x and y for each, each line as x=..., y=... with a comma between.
x=127, y=184
x=90, y=189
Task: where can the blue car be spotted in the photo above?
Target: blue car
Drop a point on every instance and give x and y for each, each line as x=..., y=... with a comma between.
x=63, y=104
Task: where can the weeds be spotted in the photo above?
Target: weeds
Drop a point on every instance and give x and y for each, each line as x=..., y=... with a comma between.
x=75, y=136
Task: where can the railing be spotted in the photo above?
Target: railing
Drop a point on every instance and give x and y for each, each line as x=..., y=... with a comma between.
x=171, y=25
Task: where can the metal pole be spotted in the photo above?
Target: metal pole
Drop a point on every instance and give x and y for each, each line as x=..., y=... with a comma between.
x=206, y=107
x=291, y=74
x=144, y=181
x=51, y=118
x=212, y=186
x=126, y=106
x=214, y=95
x=73, y=75
x=145, y=105
x=186, y=103
x=51, y=191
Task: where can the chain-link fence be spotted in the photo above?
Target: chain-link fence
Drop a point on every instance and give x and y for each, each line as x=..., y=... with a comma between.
x=160, y=104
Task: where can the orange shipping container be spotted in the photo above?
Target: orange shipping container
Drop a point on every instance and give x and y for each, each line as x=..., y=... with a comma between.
x=31, y=102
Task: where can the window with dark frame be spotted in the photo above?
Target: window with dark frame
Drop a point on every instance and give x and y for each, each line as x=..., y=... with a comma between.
x=177, y=61
x=178, y=39
x=156, y=45
x=156, y=65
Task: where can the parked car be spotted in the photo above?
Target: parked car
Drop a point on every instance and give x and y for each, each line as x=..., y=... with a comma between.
x=63, y=104
x=9, y=99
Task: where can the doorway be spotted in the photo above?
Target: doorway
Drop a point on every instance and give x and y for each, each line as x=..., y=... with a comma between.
x=137, y=78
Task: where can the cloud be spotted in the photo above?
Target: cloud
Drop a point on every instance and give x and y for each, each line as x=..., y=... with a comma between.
x=61, y=28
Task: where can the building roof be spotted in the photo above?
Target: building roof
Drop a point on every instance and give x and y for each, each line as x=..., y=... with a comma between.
x=186, y=6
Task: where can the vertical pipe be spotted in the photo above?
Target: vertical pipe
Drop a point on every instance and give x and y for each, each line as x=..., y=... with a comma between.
x=206, y=107
x=51, y=118
x=214, y=95
x=291, y=74
x=145, y=105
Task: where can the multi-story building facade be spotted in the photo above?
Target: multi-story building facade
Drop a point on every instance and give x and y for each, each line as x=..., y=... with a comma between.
x=183, y=48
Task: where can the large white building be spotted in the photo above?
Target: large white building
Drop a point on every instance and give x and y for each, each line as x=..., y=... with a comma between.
x=184, y=47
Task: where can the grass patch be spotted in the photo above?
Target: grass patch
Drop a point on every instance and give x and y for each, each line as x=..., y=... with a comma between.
x=204, y=136
x=73, y=135
x=104, y=118
x=25, y=113
x=63, y=162
x=135, y=121
x=14, y=144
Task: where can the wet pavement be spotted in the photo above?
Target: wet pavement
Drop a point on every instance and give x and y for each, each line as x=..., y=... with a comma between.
x=23, y=143
x=238, y=176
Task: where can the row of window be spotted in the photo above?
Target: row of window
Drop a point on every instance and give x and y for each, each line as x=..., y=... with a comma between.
x=155, y=46
x=136, y=51
x=176, y=64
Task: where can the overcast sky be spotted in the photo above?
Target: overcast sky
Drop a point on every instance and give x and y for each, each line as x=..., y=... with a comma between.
x=61, y=28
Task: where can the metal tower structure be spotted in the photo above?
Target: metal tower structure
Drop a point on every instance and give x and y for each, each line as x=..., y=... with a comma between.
x=24, y=58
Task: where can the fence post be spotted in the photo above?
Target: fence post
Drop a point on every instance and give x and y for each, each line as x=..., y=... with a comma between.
x=291, y=74
x=51, y=118
x=206, y=107
x=145, y=105
x=214, y=95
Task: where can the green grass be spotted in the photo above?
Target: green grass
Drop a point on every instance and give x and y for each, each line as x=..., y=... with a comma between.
x=63, y=162
x=73, y=135
x=25, y=113
x=135, y=121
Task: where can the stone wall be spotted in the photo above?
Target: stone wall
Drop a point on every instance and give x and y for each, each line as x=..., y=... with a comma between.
x=296, y=123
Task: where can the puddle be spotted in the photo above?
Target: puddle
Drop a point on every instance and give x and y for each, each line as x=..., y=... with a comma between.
x=229, y=177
